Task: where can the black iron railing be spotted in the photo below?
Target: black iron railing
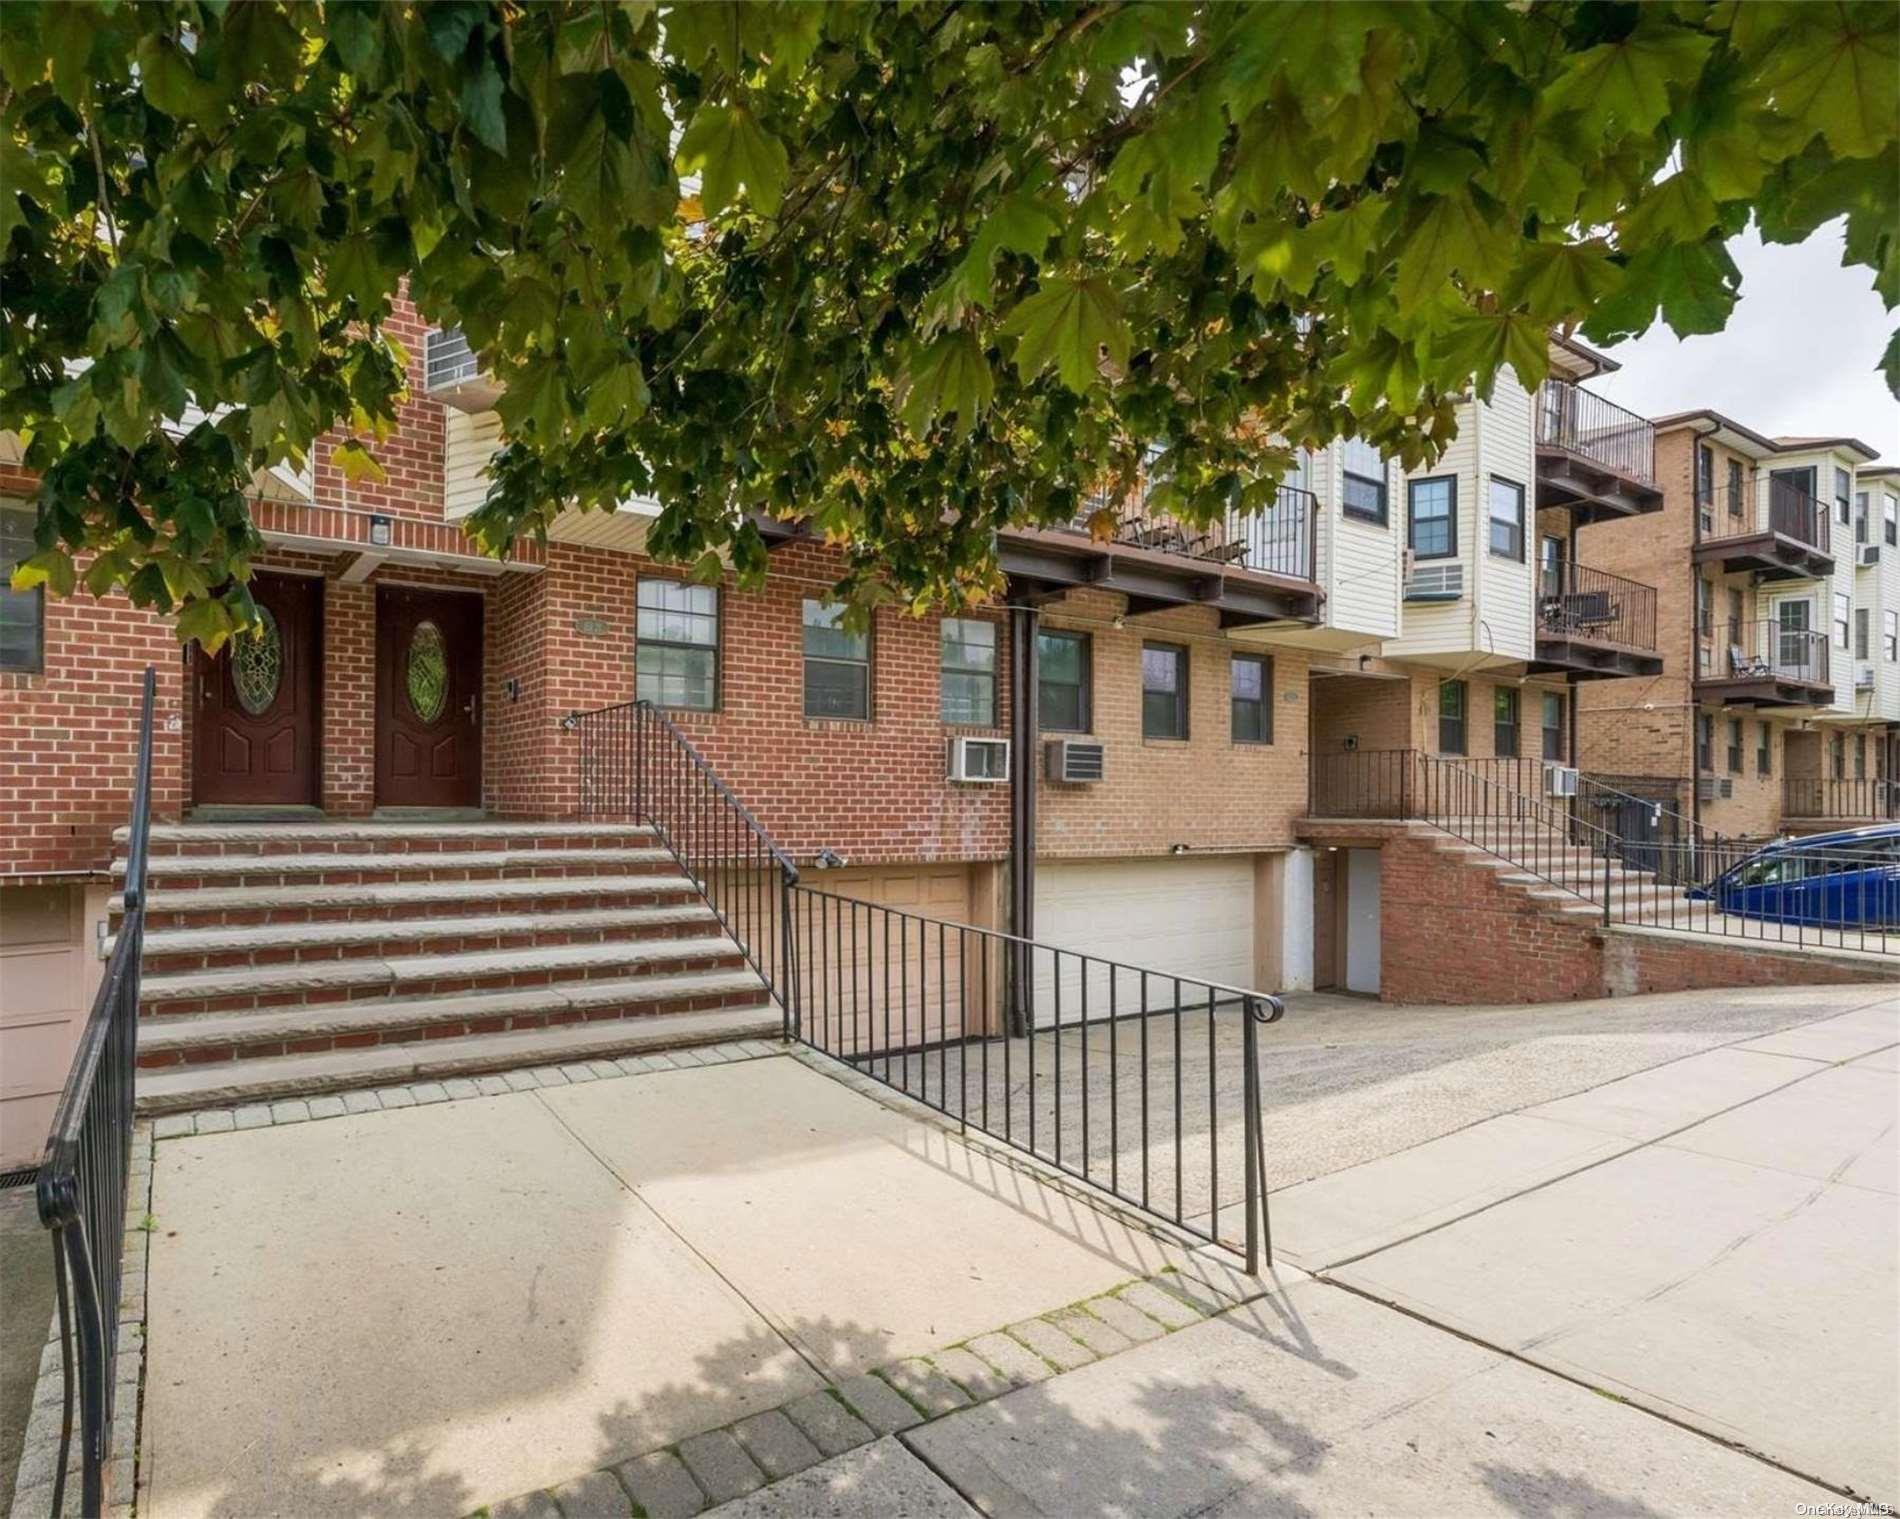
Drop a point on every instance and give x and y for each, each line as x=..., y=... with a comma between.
x=948, y=1013
x=82, y=1180
x=1668, y=874
x=1842, y=800
x=1277, y=541
x=1572, y=418
x=1139, y=1082
x=636, y=764
x=1594, y=606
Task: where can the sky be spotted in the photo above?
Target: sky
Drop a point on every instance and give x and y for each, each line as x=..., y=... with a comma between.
x=1799, y=357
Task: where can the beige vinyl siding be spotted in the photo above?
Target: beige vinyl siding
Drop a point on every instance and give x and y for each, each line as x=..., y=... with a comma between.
x=1359, y=560
x=1506, y=592
x=469, y=442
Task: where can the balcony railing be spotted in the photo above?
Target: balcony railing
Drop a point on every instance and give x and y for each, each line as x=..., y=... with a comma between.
x=1764, y=651
x=1864, y=800
x=1278, y=541
x=1726, y=511
x=1594, y=606
x=1572, y=418
x=447, y=359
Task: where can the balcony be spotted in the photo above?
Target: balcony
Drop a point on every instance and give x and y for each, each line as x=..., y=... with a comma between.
x=1839, y=801
x=1592, y=625
x=453, y=375
x=1791, y=541
x=1256, y=567
x=1763, y=664
x=1594, y=459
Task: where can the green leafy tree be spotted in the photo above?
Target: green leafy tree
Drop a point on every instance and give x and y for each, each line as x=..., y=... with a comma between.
x=935, y=268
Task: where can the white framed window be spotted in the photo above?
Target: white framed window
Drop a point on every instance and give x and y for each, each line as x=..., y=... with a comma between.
x=676, y=644
x=1507, y=518
x=968, y=671
x=1363, y=491
x=837, y=665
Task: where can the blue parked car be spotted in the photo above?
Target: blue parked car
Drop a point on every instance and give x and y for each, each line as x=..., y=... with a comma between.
x=1849, y=879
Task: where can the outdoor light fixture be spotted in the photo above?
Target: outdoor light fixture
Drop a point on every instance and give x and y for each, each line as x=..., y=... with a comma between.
x=1177, y=849
x=379, y=532
x=829, y=859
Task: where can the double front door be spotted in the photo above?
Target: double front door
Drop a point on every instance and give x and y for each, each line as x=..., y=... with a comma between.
x=258, y=712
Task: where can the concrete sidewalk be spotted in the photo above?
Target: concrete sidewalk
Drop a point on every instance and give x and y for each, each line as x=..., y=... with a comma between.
x=435, y=1309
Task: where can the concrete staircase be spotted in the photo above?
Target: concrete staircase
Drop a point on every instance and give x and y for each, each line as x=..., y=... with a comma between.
x=289, y=959
x=1535, y=858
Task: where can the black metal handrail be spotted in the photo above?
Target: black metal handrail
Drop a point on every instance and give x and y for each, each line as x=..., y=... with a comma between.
x=1088, y=1064
x=1665, y=879
x=82, y=1179
x=1843, y=799
x=1581, y=422
x=635, y=763
x=1575, y=601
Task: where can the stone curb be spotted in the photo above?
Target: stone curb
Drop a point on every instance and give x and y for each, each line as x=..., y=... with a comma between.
x=280, y=1112
x=707, y=1469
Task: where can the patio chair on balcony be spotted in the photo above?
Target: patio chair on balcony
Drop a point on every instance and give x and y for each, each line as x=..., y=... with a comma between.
x=1231, y=552
x=1744, y=666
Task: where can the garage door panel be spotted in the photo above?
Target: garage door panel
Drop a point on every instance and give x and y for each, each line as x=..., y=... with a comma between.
x=891, y=980
x=1192, y=917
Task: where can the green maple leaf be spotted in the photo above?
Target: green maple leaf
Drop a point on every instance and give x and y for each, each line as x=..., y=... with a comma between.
x=1068, y=323
x=731, y=149
x=1694, y=283
x=951, y=375
x=1679, y=210
x=1455, y=235
x=1561, y=280
x=206, y=620
x=1838, y=72
x=1627, y=83
x=1482, y=343
x=1890, y=364
x=619, y=396
x=353, y=269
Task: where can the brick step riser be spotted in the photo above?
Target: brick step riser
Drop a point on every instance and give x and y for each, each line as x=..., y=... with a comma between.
x=158, y=917
x=397, y=944
x=444, y=986
x=217, y=1054
x=396, y=845
x=420, y=873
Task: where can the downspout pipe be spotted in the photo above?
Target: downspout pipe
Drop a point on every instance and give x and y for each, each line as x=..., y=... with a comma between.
x=1025, y=723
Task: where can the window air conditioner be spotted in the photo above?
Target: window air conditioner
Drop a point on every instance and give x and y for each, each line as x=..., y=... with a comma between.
x=1863, y=676
x=979, y=761
x=1074, y=761
x=1560, y=780
x=1870, y=554
x=1711, y=789
x=1435, y=582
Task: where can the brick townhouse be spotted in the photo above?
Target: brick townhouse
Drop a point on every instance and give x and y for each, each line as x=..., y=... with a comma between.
x=372, y=854
x=401, y=677
x=1778, y=604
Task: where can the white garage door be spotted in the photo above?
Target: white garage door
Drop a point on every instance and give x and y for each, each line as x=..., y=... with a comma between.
x=1191, y=915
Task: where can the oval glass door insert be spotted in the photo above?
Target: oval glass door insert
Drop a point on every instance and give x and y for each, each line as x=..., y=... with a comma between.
x=257, y=665
x=427, y=672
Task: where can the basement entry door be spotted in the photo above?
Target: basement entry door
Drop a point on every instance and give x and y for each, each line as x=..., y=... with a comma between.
x=1194, y=915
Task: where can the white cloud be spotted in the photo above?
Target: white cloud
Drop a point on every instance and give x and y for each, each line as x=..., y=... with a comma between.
x=1800, y=355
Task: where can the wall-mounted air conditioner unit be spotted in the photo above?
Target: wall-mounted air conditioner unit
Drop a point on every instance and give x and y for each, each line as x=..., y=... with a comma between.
x=1869, y=554
x=1436, y=582
x=1863, y=676
x=1711, y=789
x=1560, y=780
x=979, y=761
x=1074, y=761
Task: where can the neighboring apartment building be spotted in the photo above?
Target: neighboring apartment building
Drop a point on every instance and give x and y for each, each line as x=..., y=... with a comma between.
x=1463, y=618
x=1780, y=628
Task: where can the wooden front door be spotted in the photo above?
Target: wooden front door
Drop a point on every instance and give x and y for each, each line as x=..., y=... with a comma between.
x=257, y=714
x=428, y=698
